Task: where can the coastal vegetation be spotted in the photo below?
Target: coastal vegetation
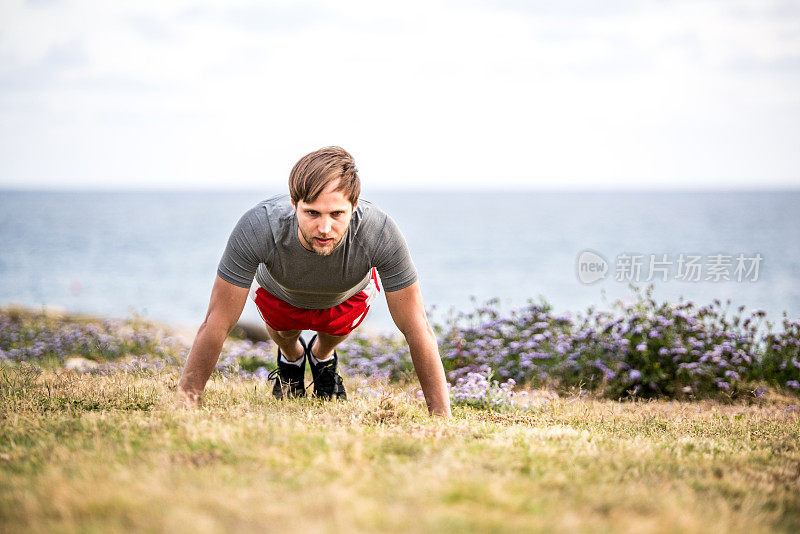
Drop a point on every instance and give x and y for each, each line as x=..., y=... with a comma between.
x=653, y=417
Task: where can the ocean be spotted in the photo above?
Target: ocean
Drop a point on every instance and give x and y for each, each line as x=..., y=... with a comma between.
x=155, y=253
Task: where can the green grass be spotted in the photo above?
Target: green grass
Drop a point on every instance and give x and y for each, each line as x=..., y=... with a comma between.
x=82, y=453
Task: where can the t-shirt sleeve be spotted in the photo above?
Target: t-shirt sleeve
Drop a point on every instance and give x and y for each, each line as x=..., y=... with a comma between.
x=393, y=259
x=244, y=252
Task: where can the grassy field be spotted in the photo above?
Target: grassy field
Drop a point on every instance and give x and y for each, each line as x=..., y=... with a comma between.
x=89, y=453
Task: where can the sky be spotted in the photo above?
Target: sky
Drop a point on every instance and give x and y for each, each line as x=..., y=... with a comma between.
x=480, y=94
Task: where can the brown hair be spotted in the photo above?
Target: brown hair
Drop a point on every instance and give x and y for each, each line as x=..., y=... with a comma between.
x=316, y=170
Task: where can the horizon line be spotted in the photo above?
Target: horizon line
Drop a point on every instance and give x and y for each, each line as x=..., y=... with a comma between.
x=248, y=189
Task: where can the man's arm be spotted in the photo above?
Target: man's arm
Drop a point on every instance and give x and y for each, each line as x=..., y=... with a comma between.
x=408, y=314
x=227, y=303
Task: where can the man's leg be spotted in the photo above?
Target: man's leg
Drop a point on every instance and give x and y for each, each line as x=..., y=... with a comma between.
x=289, y=380
x=324, y=366
x=288, y=341
x=323, y=348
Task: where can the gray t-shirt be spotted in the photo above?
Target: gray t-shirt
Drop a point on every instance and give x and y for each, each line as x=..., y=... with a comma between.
x=264, y=244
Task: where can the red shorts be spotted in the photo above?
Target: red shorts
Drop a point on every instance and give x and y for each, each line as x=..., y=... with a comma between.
x=337, y=321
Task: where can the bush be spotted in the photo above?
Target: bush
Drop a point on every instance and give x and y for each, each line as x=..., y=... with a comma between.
x=644, y=350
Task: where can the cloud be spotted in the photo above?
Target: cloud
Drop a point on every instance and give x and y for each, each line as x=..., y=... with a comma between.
x=151, y=28
x=65, y=55
x=755, y=65
x=42, y=3
x=572, y=9
x=47, y=72
x=511, y=93
x=260, y=17
x=772, y=10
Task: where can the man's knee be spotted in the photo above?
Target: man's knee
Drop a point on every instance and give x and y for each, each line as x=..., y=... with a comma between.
x=331, y=337
x=285, y=334
x=326, y=343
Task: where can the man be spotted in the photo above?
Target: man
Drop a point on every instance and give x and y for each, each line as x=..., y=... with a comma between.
x=314, y=254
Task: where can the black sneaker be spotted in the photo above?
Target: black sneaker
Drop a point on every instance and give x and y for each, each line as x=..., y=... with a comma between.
x=289, y=378
x=327, y=382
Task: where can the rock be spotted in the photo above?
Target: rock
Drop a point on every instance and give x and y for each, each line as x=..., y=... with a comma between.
x=252, y=331
x=80, y=364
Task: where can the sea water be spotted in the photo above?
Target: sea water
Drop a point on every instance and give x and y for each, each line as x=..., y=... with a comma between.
x=155, y=253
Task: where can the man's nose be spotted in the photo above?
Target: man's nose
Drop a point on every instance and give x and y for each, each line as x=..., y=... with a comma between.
x=324, y=225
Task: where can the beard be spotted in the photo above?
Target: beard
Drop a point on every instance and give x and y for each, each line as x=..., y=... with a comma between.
x=321, y=252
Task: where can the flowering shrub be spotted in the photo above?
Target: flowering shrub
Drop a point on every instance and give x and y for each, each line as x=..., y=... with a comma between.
x=112, y=345
x=781, y=362
x=42, y=338
x=646, y=350
x=384, y=356
x=246, y=358
x=672, y=350
x=480, y=391
x=523, y=346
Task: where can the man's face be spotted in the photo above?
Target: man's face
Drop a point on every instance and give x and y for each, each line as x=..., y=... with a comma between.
x=323, y=223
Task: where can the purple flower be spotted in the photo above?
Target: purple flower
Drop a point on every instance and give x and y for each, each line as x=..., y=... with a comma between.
x=732, y=374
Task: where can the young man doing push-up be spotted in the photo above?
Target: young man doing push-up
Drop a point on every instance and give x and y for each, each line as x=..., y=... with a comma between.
x=315, y=255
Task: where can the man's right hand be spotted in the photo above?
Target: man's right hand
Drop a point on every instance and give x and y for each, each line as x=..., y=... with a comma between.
x=187, y=399
x=227, y=303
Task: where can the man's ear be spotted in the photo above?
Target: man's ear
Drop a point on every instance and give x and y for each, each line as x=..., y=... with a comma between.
x=355, y=205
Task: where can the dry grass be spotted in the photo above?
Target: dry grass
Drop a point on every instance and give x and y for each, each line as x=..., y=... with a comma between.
x=111, y=454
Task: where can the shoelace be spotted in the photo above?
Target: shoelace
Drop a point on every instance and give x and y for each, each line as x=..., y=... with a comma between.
x=330, y=379
x=275, y=375
x=327, y=378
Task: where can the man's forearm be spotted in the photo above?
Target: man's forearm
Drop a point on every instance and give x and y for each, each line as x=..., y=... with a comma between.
x=428, y=365
x=201, y=361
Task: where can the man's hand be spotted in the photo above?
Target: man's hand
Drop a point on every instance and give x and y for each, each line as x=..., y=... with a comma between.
x=408, y=314
x=187, y=399
x=227, y=303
